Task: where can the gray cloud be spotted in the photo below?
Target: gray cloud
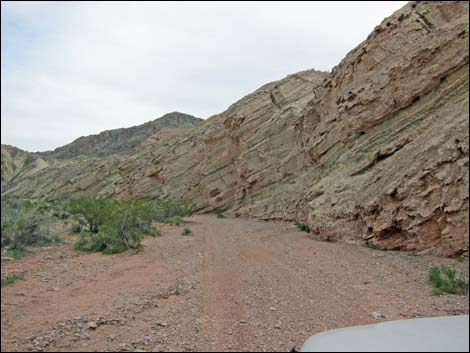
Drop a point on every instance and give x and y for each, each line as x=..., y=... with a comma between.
x=72, y=69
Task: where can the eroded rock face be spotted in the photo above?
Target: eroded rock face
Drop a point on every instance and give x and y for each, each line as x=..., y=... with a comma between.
x=30, y=175
x=376, y=151
x=246, y=159
x=388, y=135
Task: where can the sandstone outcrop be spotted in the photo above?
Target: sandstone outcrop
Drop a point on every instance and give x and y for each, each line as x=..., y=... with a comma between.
x=30, y=175
x=376, y=151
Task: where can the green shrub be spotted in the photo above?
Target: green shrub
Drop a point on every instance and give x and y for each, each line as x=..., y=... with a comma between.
x=220, y=215
x=122, y=224
x=446, y=280
x=105, y=241
x=24, y=223
x=76, y=228
x=93, y=211
x=166, y=209
x=302, y=227
x=11, y=279
x=176, y=220
x=186, y=231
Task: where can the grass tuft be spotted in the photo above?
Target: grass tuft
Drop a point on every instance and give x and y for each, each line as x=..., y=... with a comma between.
x=11, y=279
x=446, y=280
x=375, y=247
x=186, y=231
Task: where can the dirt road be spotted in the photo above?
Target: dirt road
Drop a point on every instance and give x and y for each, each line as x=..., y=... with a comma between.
x=233, y=285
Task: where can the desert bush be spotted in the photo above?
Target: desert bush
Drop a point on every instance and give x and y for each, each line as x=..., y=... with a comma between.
x=446, y=280
x=93, y=211
x=11, y=279
x=302, y=227
x=176, y=220
x=114, y=225
x=186, y=231
x=220, y=215
x=76, y=228
x=106, y=241
x=131, y=219
x=24, y=223
x=166, y=209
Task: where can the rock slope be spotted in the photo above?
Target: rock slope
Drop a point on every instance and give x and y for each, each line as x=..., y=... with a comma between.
x=30, y=175
x=120, y=141
x=375, y=151
x=87, y=166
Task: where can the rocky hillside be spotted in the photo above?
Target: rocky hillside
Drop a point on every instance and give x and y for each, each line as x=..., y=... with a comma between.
x=14, y=161
x=376, y=151
x=86, y=166
x=121, y=141
x=30, y=175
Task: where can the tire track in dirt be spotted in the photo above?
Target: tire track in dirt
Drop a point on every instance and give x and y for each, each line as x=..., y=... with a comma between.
x=234, y=285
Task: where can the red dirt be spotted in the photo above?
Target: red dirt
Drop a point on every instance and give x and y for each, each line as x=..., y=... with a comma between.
x=233, y=285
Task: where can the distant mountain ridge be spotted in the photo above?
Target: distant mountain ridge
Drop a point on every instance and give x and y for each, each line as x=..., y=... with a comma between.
x=120, y=141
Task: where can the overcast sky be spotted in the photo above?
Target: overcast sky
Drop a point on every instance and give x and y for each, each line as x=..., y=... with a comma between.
x=72, y=69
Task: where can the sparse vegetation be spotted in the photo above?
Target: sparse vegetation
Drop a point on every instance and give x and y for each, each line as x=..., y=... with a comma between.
x=301, y=226
x=105, y=225
x=61, y=215
x=446, y=280
x=11, y=279
x=375, y=247
x=26, y=223
x=220, y=215
x=186, y=231
x=166, y=210
x=18, y=252
x=76, y=228
x=176, y=220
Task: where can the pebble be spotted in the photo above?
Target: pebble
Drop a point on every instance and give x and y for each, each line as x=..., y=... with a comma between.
x=377, y=315
x=162, y=324
x=278, y=324
x=91, y=325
